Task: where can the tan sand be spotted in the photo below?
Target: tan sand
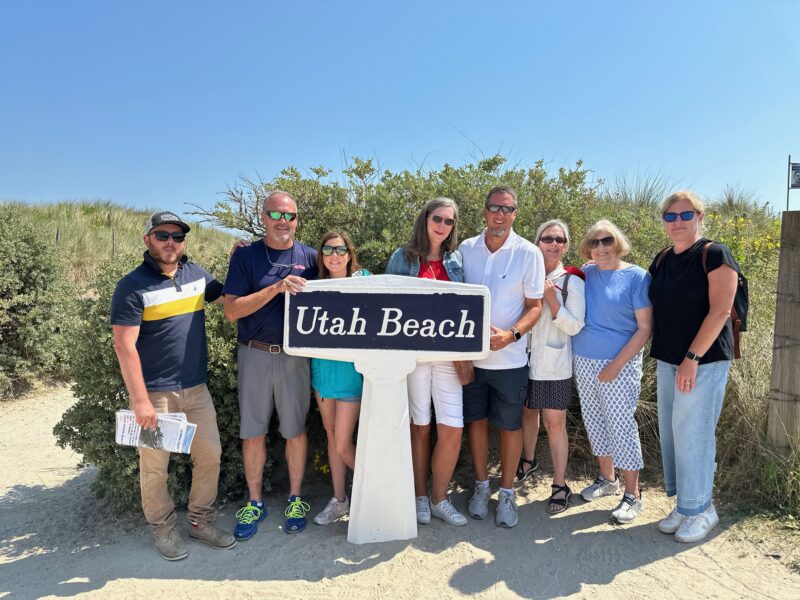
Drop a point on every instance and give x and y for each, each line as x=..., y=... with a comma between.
x=58, y=541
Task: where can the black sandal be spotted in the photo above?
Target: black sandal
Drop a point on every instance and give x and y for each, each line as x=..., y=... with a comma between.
x=522, y=472
x=561, y=503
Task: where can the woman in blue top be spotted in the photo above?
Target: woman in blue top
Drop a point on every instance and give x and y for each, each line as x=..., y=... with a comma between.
x=431, y=254
x=337, y=385
x=608, y=363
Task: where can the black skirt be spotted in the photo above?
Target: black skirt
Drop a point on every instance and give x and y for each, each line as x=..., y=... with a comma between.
x=555, y=395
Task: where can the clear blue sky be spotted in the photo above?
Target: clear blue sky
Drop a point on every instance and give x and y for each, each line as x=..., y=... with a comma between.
x=159, y=104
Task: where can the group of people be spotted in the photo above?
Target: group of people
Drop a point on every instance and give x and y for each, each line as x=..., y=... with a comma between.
x=550, y=324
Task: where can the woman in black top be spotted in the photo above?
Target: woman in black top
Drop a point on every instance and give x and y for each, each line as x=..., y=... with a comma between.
x=693, y=343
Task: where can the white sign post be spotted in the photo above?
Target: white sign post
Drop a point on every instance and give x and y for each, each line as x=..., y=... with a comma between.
x=385, y=324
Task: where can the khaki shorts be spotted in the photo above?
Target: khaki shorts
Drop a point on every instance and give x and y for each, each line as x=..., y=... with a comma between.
x=272, y=381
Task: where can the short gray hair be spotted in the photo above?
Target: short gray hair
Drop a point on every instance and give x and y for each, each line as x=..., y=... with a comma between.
x=271, y=194
x=547, y=225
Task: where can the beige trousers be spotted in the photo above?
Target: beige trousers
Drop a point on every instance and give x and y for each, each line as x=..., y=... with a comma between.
x=159, y=509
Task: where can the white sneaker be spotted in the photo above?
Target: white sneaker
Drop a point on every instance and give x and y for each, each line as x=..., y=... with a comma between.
x=601, y=487
x=506, y=515
x=448, y=513
x=333, y=511
x=423, y=510
x=696, y=527
x=671, y=522
x=478, y=506
x=627, y=509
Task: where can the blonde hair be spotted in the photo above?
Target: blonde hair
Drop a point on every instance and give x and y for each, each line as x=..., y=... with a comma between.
x=547, y=225
x=690, y=197
x=621, y=244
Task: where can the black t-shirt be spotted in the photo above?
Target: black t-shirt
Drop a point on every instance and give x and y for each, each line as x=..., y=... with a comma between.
x=679, y=293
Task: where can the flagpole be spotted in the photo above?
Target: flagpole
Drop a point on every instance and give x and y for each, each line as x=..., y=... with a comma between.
x=788, y=181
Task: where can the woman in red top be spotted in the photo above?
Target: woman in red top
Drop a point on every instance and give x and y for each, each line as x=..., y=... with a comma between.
x=431, y=254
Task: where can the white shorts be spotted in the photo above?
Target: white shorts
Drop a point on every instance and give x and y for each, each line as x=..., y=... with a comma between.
x=440, y=382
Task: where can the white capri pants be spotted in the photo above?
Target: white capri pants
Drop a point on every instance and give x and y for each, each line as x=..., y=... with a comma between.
x=440, y=382
x=608, y=410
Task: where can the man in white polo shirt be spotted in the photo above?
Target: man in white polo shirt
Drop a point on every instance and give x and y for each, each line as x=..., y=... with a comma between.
x=513, y=270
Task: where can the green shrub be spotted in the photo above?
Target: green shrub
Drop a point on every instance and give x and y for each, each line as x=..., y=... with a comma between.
x=36, y=305
x=88, y=426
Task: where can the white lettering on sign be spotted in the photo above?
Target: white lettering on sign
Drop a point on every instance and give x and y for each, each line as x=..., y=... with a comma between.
x=338, y=325
x=392, y=325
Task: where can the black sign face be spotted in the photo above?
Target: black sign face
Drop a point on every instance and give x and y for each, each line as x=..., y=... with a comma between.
x=433, y=322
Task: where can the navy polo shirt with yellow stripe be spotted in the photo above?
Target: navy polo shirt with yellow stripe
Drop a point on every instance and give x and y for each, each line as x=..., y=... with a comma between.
x=170, y=314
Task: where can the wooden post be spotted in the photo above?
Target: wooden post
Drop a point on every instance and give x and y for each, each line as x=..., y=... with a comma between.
x=113, y=242
x=783, y=425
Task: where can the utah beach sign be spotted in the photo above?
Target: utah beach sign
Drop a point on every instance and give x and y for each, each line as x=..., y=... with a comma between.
x=386, y=324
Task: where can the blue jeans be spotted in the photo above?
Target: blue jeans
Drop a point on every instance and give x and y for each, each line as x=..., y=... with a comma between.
x=687, y=424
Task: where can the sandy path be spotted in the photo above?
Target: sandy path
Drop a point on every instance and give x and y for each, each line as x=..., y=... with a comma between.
x=55, y=541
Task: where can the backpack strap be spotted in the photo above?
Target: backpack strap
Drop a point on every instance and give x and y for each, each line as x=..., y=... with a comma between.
x=663, y=253
x=564, y=291
x=736, y=322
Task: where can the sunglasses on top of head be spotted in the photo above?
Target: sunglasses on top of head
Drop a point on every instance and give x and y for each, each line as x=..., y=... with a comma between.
x=329, y=250
x=549, y=239
x=671, y=217
x=438, y=219
x=163, y=236
x=506, y=210
x=606, y=241
x=276, y=215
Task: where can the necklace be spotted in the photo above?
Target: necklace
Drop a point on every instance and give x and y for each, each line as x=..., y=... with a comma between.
x=277, y=264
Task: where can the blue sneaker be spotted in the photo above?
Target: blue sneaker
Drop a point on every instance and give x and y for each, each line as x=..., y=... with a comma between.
x=249, y=517
x=295, y=515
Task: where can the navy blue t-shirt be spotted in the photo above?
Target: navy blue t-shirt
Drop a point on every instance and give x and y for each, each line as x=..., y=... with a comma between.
x=170, y=314
x=257, y=266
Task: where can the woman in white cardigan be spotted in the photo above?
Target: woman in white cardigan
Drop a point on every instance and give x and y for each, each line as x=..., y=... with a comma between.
x=550, y=376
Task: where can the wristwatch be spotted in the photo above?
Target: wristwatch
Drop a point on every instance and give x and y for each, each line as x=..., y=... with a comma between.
x=516, y=333
x=692, y=356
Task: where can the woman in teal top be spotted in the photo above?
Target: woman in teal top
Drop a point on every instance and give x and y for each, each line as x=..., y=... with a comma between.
x=337, y=385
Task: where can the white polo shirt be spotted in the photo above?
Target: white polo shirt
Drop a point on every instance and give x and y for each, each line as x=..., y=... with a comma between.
x=513, y=272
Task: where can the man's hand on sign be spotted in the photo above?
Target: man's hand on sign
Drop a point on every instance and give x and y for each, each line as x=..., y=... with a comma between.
x=500, y=338
x=146, y=415
x=291, y=284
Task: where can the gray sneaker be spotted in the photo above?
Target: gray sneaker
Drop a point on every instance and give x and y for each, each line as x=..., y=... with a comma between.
x=213, y=536
x=601, y=487
x=478, y=506
x=628, y=508
x=506, y=515
x=171, y=545
x=448, y=513
x=423, y=510
x=333, y=511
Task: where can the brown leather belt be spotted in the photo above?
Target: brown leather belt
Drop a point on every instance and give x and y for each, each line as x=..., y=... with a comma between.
x=271, y=348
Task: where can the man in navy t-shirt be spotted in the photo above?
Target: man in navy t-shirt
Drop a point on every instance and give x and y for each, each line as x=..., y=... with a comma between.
x=160, y=339
x=258, y=278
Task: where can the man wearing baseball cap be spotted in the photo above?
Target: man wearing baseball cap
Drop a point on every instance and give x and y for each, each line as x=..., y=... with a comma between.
x=158, y=319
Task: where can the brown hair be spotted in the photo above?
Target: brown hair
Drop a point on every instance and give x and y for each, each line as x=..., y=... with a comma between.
x=352, y=264
x=419, y=245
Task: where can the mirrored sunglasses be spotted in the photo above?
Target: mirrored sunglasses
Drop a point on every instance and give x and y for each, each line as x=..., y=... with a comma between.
x=671, y=217
x=276, y=215
x=328, y=250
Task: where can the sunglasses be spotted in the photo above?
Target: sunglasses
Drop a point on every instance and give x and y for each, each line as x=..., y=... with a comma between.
x=549, y=239
x=163, y=236
x=671, y=217
x=438, y=219
x=606, y=241
x=495, y=208
x=276, y=215
x=329, y=250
